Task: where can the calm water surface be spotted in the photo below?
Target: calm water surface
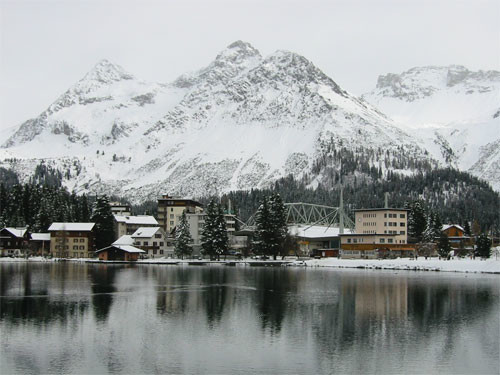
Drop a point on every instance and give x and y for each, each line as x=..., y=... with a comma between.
x=94, y=318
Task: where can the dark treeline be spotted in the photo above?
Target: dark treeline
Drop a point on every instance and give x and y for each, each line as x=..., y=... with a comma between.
x=38, y=206
x=456, y=196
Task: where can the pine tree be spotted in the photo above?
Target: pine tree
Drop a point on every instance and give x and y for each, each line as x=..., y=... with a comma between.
x=104, y=222
x=483, y=246
x=278, y=226
x=417, y=221
x=214, y=239
x=444, y=247
x=183, y=238
x=43, y=218
x=467, y=230
x=262, y=234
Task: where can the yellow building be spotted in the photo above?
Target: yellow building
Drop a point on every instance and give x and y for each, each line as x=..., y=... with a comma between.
x=72, y=240
x=379, y=232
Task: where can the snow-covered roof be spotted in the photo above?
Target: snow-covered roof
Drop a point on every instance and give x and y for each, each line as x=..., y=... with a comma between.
x=448, y=226
x=72, y=227
x=126, y=248
x=140, y=220
x=124, y=240
x=18, y=232
x=40, y=236
x=145, y=232
x=315, y=231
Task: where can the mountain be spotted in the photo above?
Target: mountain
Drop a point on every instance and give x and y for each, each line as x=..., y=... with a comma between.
x=452, y=111
x=241, y=122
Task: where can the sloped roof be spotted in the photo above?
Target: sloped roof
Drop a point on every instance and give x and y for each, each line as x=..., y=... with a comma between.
x=140, y=220
x=145, y=232
x=40, y=236
x=17, y=232
x=72, y=227
x=124, y=240
x=448, y=226
x=126, y=248
x=315, y=231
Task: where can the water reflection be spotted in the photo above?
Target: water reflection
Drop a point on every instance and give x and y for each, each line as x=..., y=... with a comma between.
x=180, y=319
x=102, y=278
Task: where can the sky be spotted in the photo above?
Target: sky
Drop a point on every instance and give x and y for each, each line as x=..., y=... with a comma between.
x=48, y=45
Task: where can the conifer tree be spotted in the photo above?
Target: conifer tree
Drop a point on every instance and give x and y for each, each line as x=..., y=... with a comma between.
x=417, y=221
x=483, y=246
x=444, y=247
x=104, y=222
x=183, y=238
x=278, y=225
x=262, y=234
x=467, y=230
x=214, y=239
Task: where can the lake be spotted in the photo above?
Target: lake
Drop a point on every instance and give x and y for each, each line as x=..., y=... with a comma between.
x=70, y=317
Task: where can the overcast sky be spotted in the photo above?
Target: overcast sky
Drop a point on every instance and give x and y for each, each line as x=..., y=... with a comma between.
x=46, y=46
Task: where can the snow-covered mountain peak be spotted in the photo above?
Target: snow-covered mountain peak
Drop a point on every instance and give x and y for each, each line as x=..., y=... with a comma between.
x=421, y=82
x=238, y=52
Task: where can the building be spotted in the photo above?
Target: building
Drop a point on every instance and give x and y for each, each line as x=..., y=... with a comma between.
x=40, y=243
x=129, y=224
x=153, y=241
x=456, y=236
x=14, y=241
x=120, y=209
x=316, y=240
x=197, y=221
x=72, y=240
x=124, y=253
x=379, y=232
x=170, y=210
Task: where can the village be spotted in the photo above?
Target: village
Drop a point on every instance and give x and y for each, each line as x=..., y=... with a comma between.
x=315, y=231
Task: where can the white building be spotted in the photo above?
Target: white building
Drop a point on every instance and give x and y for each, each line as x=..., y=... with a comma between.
x=152, y=240
x=129, y=224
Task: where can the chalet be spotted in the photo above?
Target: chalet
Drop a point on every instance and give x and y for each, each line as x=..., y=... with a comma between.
x=125, y=253
x=14, y=241
x=72, y=240
x=379, y=232
x=40, y=243
x=456, y=236
x=129, y=224
x=153, y=241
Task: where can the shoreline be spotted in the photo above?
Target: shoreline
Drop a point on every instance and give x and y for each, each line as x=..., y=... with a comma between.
x=487, y=266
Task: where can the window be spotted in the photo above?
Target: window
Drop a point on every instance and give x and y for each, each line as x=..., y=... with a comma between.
x=155, y=243
x=75, y=247
x=402, y=216
x=82, y=247
x=171, y=210
x=145, y=243
x=389, y=240
x=385, y=223
x=385, y=215
x=75, y=239
x=157, y=235
x=402, y=232
x=382, y=240
x=355, y=240
x=402, y=224
x=161, y=243
x=348, y=240
x=171, y=223
x=82, y=239
x=154, y=251
x=171, y=216
x=161, y=252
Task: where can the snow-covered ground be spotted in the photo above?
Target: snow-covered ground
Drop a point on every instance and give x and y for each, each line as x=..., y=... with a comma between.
x=491, y=265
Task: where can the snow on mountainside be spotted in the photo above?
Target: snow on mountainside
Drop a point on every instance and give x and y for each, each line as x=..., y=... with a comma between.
x=241, y=122
x=453, y=111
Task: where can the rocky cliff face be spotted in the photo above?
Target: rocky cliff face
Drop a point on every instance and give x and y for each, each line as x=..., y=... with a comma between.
x=451, y=110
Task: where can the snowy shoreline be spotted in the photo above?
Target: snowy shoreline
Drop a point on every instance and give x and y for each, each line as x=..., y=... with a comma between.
x=489, y=266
